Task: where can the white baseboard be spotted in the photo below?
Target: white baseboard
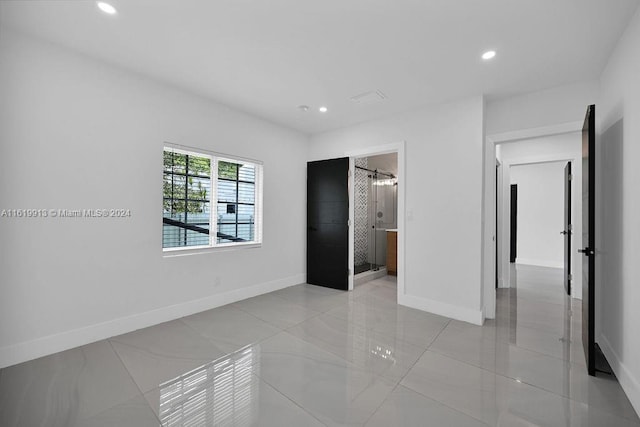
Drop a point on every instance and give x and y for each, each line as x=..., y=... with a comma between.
x=443, y=309
x=33, y=349
x=540, y=262
x=486, y=315
x=627, y=380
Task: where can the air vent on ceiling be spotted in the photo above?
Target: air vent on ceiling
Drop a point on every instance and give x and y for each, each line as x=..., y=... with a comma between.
x=369, y=97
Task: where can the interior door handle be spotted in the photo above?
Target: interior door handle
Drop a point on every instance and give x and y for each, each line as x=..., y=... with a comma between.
x=563, y=232
x=586, y=251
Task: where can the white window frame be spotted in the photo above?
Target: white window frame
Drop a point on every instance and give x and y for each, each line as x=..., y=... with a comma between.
x=213, y=201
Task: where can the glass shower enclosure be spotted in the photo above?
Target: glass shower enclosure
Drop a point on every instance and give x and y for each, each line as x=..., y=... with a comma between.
x=374, y=213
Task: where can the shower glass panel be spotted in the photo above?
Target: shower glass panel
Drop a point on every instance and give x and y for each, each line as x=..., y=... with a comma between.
x=374, y=208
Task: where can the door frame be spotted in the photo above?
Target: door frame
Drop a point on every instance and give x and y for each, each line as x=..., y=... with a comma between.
x=513, y=223
x=396, y=147
x=511, y=137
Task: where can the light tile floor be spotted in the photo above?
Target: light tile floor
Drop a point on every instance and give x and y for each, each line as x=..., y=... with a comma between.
x=311, y=356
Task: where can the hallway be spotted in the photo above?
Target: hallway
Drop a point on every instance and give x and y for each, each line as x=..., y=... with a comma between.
x=308, y=355
x=527, y=366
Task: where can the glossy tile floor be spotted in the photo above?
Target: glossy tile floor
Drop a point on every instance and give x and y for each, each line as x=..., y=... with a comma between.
x=310, y=356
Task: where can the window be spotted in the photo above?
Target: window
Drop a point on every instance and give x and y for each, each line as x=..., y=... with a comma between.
x=210, y=200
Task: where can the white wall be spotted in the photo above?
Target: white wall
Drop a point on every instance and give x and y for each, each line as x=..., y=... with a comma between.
x=553, y=148
x=540, y=213
x=562, y=104
x=618, y=232
x=444, y=161
x=489, y=233
x=80, y=134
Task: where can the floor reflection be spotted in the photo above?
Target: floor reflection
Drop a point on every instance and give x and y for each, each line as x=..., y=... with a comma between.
x=536, y=305
x=223, y=392
x=383, y=353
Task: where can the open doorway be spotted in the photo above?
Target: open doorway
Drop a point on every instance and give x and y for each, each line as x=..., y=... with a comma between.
x=520, y=157
x=375, y=216
x=537, y=213
x=331, y=201
x=571, y=144
x=389, y=159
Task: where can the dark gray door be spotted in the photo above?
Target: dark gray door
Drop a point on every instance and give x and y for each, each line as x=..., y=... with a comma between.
x=588, y=237
x=327, y=223
x=567, y=228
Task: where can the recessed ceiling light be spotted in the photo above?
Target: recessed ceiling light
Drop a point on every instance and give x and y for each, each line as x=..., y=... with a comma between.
x=106, y=8
x=488, y=54
x=323, y=109
x=304, y=108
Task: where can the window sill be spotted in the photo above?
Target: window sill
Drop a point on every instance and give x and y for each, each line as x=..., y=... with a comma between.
x=196, y=250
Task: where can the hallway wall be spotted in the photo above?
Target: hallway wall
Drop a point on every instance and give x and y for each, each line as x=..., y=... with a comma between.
x=540, y=213
x=618, y=231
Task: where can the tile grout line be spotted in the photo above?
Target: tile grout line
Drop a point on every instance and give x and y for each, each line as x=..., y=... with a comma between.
x=347, y=364
x=124, y=366
x=431, y=398
x=445, y=405
x=288, y=398
x=316, y=312
x=253, y=315
x=489, y=340
x=425, y=350
x=387, y=335
x=382, y=403
x=399, y=382
x=502, y=375
x=157, y=417
x=211, y=340
x=615, y=415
